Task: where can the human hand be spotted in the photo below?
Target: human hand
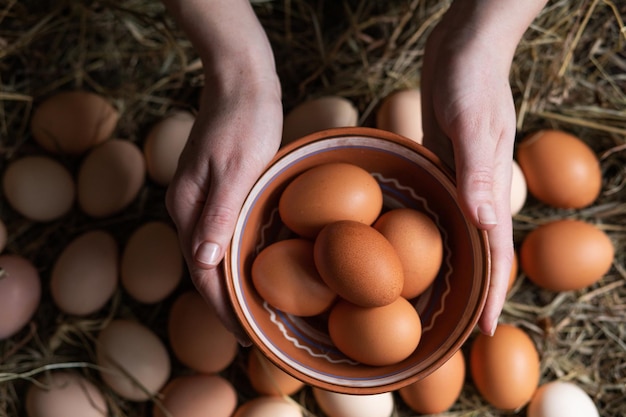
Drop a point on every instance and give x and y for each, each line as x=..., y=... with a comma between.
x=469, y=121
x=236, y=133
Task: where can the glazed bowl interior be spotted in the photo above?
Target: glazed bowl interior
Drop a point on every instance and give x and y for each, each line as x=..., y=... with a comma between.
x=410, y=176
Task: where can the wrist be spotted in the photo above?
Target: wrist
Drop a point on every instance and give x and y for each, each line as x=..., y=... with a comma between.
x=229, y=40
x=490, y=24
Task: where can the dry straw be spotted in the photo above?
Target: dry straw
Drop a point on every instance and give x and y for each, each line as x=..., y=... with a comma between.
x=569, y=72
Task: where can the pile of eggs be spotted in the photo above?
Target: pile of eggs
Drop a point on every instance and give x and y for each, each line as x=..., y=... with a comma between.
x=349, y=259
x=136, y=364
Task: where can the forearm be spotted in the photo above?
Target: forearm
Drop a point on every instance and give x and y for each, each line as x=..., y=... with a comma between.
x=228, y=37
x=496, y=24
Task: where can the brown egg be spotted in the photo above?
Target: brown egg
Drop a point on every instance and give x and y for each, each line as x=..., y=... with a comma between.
x=152, y=262
x=65, y=394
x=267, y=378
x=164, y=144
x=438, y=391
x=85, y=274
x=197, y=396
x=505, y=367
x=132, y=360
x=560, y=169
x=269, y=406
x=318, y=114
x=110, y=177
x=197, y=337
x=71, y=122
x=20, y=292
x=328, y=193
x=514, y=271
x=39, y=188
x=417, y=241
x=375, y=336
x=401, y=112
x=284, y=274
x=358, y=263
x=566, y=254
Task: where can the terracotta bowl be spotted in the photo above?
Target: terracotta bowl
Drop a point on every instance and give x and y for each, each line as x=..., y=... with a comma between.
x=410, y=176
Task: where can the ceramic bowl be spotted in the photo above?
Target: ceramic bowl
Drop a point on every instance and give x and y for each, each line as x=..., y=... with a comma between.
x=410, y=176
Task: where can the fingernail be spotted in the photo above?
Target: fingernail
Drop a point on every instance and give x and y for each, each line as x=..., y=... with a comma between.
x=494, y=326
x=208, y=253
x=486, y=214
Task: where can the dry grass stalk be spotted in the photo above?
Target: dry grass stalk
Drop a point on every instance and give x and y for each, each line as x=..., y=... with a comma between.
x=569, y=73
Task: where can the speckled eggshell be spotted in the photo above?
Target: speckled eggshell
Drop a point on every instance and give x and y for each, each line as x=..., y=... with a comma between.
x=328, y=193
x=376, y=336
x=438, y=391
x=85, y=275
x=560, y=169
x=39, y=187
x=110, y=178
x=566, y=254
x=197, y=395
x=358, y=263
x=285, y=276
x=20, y=293
x=505, y=367
x=197, y=336
x=65, y=394
x=71, y=122
x=417, y=241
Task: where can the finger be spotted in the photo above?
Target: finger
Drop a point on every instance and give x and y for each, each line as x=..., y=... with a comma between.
x=484, y=179
x=210, y=283
x=501, y=250
x=184, y=210
x=184, y=202
x=216, y=223
x=475, y=157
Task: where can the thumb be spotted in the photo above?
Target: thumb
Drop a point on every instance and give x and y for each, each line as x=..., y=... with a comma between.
x=216, y=223
x=475, y=171
x=484, y=178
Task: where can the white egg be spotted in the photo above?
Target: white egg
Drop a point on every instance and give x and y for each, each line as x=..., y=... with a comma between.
x=519, y=190
x=561, y=398
x=336, y=404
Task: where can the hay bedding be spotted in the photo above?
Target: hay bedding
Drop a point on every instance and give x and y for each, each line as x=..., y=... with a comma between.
x=569, y=72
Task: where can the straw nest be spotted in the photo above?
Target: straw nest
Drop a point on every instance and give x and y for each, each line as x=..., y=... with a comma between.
x=568, y=73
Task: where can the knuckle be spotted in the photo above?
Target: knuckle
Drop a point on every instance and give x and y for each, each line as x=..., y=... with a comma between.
x=480, y=180
x=220, y=216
